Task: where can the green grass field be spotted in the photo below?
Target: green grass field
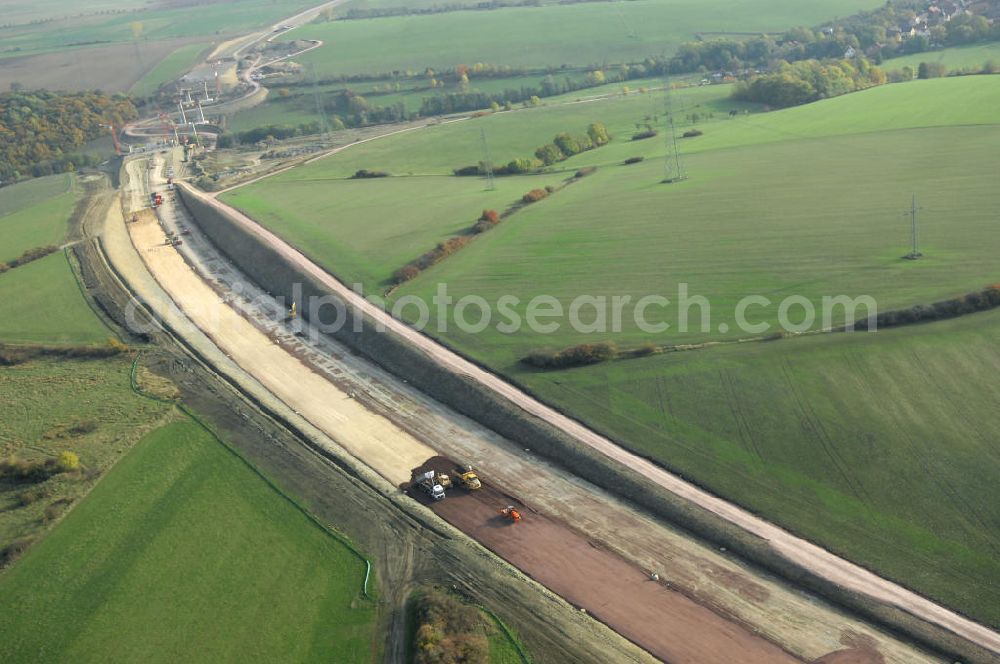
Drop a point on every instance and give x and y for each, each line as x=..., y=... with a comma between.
x=299, y=105
x=438, y=149
x=752, y=220
x=372, y=242
x=41, y=302
x=38, y=225
x=183, y=553
x=959, y=57
x=601, y=32
x=881, y=447
x=876, y=446
x=168, y=69
x=157, y=23
x=25, y=194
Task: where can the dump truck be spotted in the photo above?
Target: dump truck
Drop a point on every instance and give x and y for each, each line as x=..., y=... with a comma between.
x=428, y=483
x=470, y=481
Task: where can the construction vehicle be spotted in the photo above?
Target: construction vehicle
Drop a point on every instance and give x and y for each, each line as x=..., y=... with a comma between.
x=470, y=481
x=292, y=313
x=427, y=482
x=511, y=513
x=157, y=199
x=467, y=478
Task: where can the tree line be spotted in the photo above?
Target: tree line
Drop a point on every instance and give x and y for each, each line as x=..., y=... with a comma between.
x=809, y=80
x=41, y=131
x=874, y=34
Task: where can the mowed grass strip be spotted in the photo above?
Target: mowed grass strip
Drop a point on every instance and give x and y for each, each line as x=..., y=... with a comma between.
x=182, y=553
x=550, y=35
x=881, y=447
x=41, y=302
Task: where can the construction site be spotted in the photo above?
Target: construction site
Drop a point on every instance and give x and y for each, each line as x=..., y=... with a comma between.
x=444, y=471
x=593, y=554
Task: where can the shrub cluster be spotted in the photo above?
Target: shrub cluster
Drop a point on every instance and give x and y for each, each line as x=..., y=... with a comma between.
x=429, y=258
x=534, y=196
x=633, y=160
x=29, y=256
x=562, y=147
x=487, y=220
x=988, y=298
x=585, y=171
x=364, y=173
x=449, y=632
x=22, y=470
x=691, y=133
x=10, y=553
x=573, y=356
x=11, y=355
x=647, y=133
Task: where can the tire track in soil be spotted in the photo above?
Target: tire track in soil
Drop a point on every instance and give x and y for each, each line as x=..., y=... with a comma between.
x=735, y=403
x=854, y=361
x=973, y=420
x=813, y=426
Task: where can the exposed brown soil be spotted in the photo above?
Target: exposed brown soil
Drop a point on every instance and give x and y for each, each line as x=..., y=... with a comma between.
x=852, y=656
x=663, y=621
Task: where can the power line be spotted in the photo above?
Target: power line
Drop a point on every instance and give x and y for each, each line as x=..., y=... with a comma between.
x=914, y=229
x=324, y=125
x=673, y=168
x=487, y=162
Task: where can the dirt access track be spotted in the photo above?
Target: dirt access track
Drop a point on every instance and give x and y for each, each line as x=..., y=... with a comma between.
x=743, y=612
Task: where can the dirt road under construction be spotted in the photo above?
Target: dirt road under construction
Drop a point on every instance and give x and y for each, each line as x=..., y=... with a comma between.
x=596, y=551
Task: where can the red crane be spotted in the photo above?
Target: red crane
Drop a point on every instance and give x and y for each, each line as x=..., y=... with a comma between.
x=168, y=128
x=114, y=136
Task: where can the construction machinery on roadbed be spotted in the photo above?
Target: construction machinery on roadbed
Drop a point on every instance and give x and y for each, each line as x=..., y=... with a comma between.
x=434, y=483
